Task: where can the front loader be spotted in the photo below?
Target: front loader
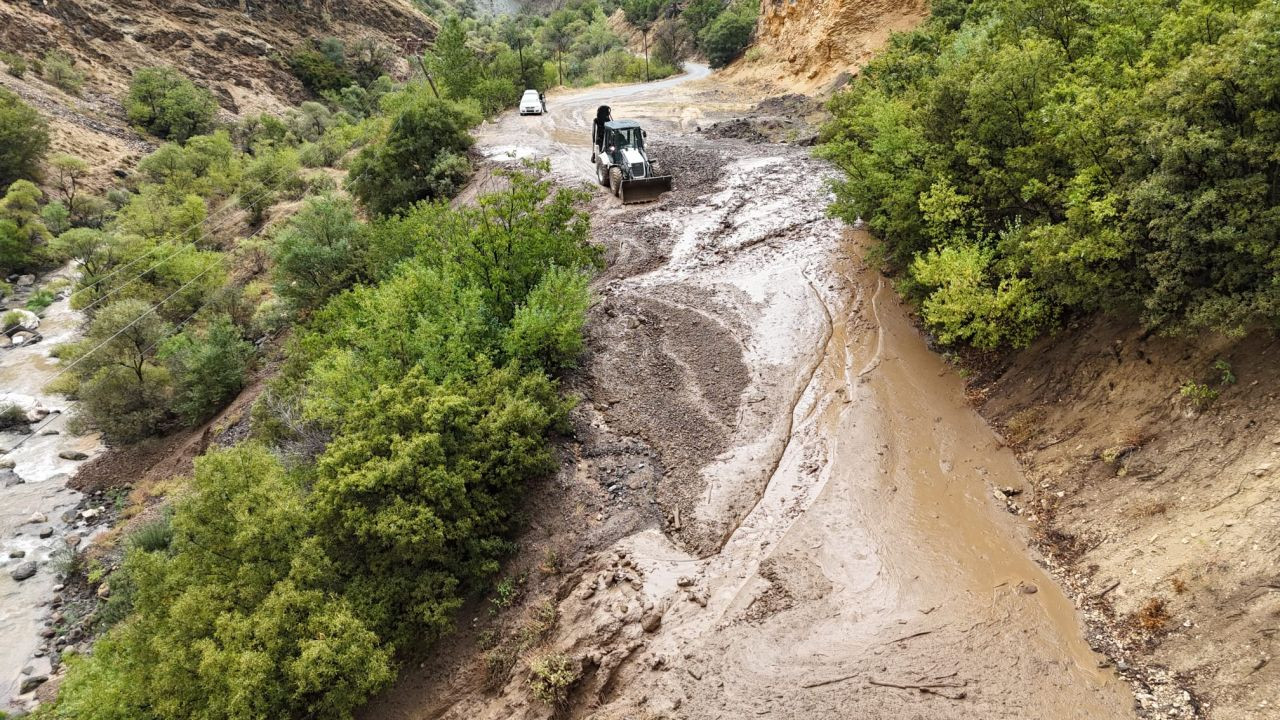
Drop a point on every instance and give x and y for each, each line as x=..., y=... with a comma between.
x=622, y=165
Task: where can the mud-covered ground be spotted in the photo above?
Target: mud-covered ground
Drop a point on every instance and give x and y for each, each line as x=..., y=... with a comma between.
x=778, y=502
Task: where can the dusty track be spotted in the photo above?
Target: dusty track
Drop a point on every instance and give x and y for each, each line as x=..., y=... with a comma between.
x=810, y=533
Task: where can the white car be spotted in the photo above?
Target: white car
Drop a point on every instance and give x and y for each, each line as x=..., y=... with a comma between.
x=531, y=103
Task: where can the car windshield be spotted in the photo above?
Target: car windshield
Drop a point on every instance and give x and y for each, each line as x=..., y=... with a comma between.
x=529, y=96
x=628, y=136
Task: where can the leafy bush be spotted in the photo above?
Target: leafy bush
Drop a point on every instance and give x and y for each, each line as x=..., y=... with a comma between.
x=547, y=328
x=207, y=366
x=552, y=676
x=11, y=415
x=40, y=300
x=317, y=252
x=23, y=234
x=422, y=158
x=725, y=37
x=272, y=174
x=286, y=593
x=15, y=64
x=121, y=392
x=24, y=138
x=56, y=218
x=321, y=66
x=1105, y=156
x=168, y=105
x=59, y=69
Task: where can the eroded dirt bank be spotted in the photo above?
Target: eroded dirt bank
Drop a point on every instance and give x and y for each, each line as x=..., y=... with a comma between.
x=778, y=502
x=1159, y=508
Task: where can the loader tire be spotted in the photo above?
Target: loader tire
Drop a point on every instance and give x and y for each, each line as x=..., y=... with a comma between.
x=615, y=181
x=602, y=173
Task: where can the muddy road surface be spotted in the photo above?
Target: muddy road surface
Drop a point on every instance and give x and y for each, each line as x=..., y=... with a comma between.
x=779, y=503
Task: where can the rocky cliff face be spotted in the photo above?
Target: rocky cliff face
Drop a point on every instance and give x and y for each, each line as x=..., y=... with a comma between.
x=233, y=47
x=808, y=45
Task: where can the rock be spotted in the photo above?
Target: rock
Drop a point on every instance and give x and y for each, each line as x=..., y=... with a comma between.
x=17, y=553
x=8, y=463
x=72, y=455
x=29, y=684
x=72, y=541
x=104, y=591
x=651, y=620
x=9, y=478
x=37, y=518
x=23, y=571
x=91, y=515
x=27, y=320
x=46, y=532
x=69, y=516
x=26, y=280
x=684, y=581
x=1027, y=588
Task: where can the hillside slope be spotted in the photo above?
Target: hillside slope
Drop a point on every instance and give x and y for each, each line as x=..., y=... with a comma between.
x=237, y=55
x=807, y=45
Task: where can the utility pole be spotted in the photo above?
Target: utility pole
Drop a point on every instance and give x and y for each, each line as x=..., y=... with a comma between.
x=414, y=47
x=644, y=34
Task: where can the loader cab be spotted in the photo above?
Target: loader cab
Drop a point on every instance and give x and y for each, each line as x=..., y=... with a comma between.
x=621, y=134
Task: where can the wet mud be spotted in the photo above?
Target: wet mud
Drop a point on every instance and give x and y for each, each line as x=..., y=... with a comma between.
x=812, y=533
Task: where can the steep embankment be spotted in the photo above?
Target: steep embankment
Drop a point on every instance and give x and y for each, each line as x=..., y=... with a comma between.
x=234, y=48
x=1159, y=506
x=811, y=45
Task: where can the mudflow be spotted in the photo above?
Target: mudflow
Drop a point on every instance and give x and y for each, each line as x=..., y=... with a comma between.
x=804, y=528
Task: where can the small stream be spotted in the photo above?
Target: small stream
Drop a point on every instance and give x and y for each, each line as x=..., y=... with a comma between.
x=33, y=492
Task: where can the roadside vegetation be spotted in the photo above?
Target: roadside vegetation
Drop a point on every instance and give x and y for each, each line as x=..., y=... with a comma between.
x=419, y=347
x=1029, y=161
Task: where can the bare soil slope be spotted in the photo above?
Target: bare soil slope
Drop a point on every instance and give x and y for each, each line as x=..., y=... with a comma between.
x=1161, y=509
x=812, y=45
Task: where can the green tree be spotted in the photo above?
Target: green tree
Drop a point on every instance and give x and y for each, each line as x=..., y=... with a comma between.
x=168, y=105
x=207, y=365
x=421, y=158
x=318, y=252
x=121, y=392
x=58, y=69
x=23, y=234
x=24, y=138
x=68, y=171
x=724, y=38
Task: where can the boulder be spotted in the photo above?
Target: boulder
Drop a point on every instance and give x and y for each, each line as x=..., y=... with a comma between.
x=27, y=320
x=23, y=571
x=29, y=684
x=72, y=455
x=37, y=518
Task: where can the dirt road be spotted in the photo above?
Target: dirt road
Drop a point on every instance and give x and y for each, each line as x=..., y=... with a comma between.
x=779, y=501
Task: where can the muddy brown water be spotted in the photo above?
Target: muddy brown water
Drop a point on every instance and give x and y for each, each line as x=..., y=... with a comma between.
x=24, y=373
x=841, y=556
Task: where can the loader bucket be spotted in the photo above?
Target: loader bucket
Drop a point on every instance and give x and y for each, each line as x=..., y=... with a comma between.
x=644, y=189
